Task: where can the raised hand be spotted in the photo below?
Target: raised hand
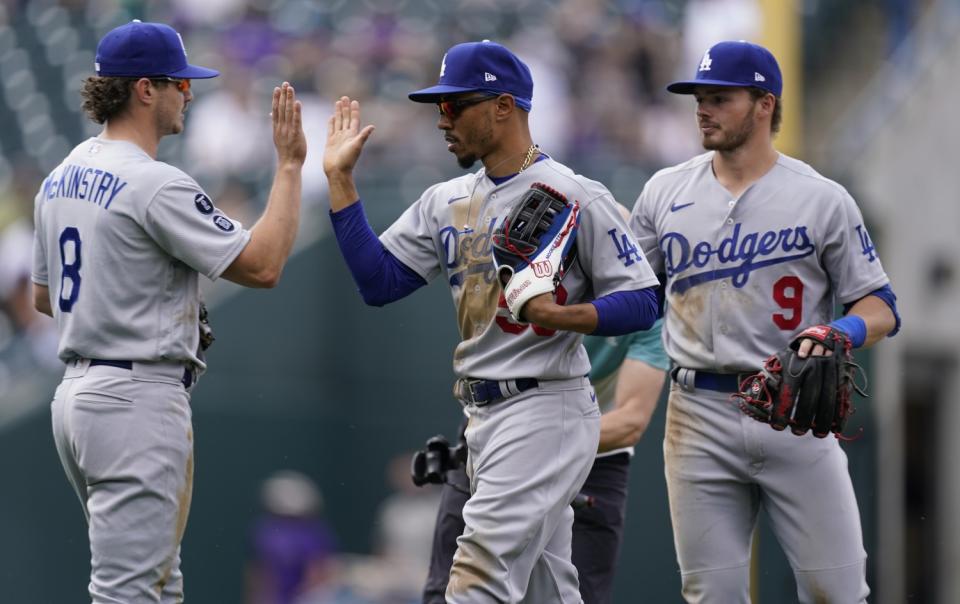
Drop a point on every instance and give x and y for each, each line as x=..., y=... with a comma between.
x=345, y=138
x=288, y=136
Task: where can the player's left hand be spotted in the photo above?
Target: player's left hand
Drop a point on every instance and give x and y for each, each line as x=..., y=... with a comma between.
x=345, y=138
x=808, y=347
x=807, y=386
x=287, y=118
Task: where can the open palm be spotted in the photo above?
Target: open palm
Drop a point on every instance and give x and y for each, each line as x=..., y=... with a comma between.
x=345, y=138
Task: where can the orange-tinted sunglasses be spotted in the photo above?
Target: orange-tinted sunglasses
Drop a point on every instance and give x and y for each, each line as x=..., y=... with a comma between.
x=452, y=108
x=181, y=84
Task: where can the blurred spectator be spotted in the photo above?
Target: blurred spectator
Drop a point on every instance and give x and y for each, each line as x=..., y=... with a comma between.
x=226, y=127
x=403, y=535
x=707, y=22
x=293, y=546
x=19, y=321
x=208, y=12
x=404, y=524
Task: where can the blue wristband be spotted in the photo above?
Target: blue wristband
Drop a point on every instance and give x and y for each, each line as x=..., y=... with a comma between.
x=854, y=326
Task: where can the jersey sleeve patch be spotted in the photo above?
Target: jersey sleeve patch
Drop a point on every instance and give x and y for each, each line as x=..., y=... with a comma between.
x=628, y=251
x=866, y=244
x=203, y=204
x=223, y=223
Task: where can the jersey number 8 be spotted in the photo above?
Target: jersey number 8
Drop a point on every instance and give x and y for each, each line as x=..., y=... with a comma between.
x=71, y=269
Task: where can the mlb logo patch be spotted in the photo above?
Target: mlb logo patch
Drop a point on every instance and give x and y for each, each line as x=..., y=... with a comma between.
x=203, y=204
x=223, y=223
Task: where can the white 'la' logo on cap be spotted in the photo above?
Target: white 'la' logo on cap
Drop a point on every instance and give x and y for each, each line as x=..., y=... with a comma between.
x=706, y=62
x=443, y=66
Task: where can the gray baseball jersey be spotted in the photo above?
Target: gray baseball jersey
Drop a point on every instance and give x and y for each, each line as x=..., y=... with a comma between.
x=120, y=241
x=526, y=557
x=448, y=230
x=743, y=277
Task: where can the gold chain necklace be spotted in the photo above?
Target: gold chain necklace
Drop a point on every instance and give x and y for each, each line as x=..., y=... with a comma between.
x=533, y=150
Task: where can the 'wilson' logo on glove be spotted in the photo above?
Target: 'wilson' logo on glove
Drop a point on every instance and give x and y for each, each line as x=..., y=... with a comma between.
x=542, y=269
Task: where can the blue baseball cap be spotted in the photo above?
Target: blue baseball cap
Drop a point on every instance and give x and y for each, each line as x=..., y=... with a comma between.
x=735, y=63
x=146, y=49
x=480, y=67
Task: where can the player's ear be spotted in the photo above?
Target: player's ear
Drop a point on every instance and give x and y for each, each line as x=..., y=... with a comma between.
x=767, y=103
x=144, y=91
x=505, y=105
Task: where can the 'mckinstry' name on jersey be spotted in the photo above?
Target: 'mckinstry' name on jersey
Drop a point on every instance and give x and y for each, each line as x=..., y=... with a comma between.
x=83, y=182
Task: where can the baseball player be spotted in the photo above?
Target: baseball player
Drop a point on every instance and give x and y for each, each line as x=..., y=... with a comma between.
x=755, y=247
x=533, y=422
x=627, y=373
x=120, y=241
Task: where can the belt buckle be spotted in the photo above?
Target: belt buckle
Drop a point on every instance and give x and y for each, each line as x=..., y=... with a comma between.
x=685, y=378
x=467, y=393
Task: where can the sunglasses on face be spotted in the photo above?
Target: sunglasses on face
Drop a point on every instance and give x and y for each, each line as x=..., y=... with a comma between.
x=454, y=107
x=181, y=84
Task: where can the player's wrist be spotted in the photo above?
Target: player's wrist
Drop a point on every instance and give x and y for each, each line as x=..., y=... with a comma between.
x=537, y=310
x=290, y=164
x=338, y=175
x=855, y=328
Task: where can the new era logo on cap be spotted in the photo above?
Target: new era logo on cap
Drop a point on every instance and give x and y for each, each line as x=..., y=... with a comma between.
x=489, y=77
x=735, y=63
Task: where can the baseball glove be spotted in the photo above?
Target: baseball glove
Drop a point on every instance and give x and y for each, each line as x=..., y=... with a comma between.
x=811, y=393
x=534, y=245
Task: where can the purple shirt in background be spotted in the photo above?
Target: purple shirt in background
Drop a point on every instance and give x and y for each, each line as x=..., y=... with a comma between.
x=285, y=547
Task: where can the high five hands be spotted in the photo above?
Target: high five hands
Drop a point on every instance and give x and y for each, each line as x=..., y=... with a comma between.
x=345, y=138
x=287, y=116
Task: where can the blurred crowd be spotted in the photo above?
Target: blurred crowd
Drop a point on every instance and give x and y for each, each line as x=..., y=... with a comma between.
x=599, y=105
x=599, y=71
x=294, y=557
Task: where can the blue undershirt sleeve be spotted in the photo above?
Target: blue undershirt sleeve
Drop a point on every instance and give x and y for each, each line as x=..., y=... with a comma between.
x=626, y=312
x=379, y=275
x=886, y=294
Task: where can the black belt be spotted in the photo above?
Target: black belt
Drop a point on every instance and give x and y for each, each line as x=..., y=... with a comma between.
x=707, y=380
x=484, y=392
x=186, y=380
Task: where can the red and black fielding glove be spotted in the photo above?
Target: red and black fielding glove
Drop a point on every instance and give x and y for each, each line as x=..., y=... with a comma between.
x=809, y=393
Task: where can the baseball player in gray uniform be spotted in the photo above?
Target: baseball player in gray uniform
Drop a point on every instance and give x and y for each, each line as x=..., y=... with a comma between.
x=755, y=247
x=533, y=422
x=121, y=239
x=628, y=374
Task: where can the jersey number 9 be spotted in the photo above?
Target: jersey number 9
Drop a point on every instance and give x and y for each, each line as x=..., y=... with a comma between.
x=788, y=294
x=69, y=290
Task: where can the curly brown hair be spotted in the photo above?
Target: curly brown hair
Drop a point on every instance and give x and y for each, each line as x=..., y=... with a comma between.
x=104, y=98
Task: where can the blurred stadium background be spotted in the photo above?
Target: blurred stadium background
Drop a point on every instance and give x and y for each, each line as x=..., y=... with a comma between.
x=314, y=402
